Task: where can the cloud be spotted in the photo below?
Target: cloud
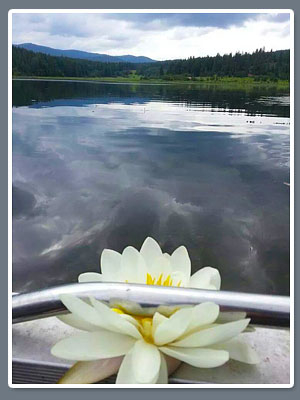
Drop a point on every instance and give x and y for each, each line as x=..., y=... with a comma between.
x=159, y=36
x=222, y=20
x=283, y=17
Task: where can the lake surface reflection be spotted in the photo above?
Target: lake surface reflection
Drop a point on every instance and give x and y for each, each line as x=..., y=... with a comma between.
x=105, y=165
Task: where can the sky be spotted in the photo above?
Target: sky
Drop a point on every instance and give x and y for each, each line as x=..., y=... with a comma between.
x=160, y=36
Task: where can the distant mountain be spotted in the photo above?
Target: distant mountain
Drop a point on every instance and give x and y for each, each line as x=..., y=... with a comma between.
x=83, y=54
x=136, y=59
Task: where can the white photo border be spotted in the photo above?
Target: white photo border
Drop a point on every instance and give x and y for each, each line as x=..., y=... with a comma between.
x=292, y=191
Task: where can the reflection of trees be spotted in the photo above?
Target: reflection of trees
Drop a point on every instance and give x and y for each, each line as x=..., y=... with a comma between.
x=32, y=92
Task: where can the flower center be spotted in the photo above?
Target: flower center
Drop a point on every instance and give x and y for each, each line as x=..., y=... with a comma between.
x=146, y=329
x=160, y=281
x=145, y=324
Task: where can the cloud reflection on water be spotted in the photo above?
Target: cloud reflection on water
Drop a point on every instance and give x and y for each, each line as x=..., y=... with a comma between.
x=106, y=175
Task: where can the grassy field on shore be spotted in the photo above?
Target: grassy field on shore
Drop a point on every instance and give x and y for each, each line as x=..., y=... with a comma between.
x=222, y=82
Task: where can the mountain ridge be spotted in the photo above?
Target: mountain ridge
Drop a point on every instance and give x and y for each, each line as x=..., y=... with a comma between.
x=84, y=55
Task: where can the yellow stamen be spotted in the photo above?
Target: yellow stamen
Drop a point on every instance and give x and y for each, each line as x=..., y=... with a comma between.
x=118, y=311
x=167, y=282
x=146, y=325
x=159, y=280
x=150, y=280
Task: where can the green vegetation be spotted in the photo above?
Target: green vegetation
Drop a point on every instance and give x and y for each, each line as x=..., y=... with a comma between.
x=261, y=65
x=28, y=63
x=228, y=83
x=241, y=70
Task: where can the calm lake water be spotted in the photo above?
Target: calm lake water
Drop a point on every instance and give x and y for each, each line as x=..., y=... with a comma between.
x=105, y=165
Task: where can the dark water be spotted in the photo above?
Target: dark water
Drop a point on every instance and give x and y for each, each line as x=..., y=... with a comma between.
x=105, y=165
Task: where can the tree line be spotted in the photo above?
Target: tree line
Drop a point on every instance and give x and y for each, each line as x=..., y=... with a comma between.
x=29, y=63
x=260, y=64
x=272, y=64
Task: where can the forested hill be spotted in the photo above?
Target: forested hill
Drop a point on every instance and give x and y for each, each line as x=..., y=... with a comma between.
x=273, y=65
x=83, y=54
x=29, y=63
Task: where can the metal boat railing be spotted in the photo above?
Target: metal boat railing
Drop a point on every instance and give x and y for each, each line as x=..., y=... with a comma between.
x=262, y=309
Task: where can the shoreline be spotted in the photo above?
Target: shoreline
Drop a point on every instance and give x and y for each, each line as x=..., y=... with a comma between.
x=230, y=83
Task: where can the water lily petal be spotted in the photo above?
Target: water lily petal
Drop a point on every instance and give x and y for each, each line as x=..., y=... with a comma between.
x=125, y=374
x=160, y=267
x=180, y=261
x=88, y=346
x=239, y=350
x=110, y=265
x=129, y=307
x=156, y=320
x=133, y=266
x=91, y=371
x=130, y=319
x=90, y=277
x=214, y=335
x=82, y=310
x=76, y=322
x=201, y=358
x=114, y=321
x=167, y=311
x=173, y=327
x=228, y=316
x=206, y=278
x=203, y=314
x=145, y=361
x=163, y=371
x=179, y=279
x=150, y=250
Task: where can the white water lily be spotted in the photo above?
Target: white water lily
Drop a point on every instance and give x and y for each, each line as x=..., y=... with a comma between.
x=139, y=348
x=152, y=267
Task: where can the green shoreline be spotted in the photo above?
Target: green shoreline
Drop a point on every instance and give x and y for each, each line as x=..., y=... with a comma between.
x=230, y=83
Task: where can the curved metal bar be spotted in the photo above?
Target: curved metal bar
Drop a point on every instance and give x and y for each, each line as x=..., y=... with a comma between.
x=262, y=309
